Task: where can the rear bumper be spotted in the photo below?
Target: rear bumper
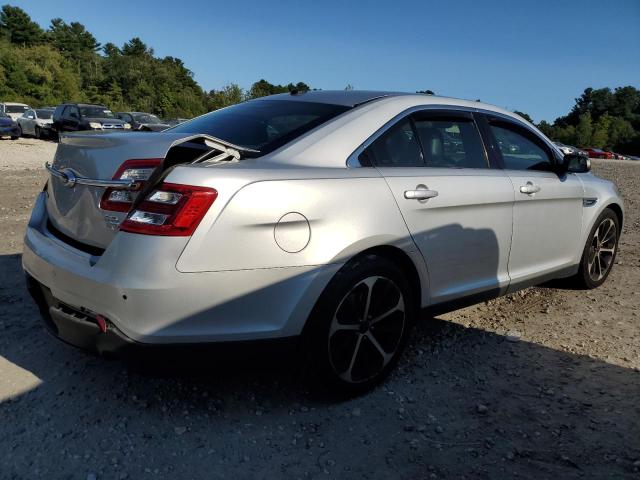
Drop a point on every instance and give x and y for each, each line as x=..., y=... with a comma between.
x=82, y=330
x=135, y=285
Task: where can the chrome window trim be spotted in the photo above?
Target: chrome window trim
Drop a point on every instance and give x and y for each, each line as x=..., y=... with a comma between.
x=353, y=162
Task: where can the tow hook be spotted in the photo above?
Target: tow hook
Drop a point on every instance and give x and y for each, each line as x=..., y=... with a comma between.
x=102, y=323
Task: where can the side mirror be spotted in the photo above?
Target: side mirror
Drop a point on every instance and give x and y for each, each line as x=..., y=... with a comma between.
x=575, y=163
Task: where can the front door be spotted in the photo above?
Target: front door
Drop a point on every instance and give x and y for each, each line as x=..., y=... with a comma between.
x=547, y=214
x=457, y=208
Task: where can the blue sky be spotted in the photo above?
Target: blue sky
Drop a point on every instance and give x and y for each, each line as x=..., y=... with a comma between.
x=535, y=56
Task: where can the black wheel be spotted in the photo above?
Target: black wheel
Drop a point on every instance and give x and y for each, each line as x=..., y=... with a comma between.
x=19, y=133
x=600, y=251
x=14, y=137
x=360, y=324
x=36, y=132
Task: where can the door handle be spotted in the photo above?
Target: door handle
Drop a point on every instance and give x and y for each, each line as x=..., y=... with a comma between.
x=420, y=193
x=529, y=188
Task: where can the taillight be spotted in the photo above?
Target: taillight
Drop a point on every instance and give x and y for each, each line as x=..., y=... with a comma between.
x=139, y=170
x=170, y=210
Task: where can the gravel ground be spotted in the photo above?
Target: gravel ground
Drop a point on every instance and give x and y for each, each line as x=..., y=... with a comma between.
x=541, y=384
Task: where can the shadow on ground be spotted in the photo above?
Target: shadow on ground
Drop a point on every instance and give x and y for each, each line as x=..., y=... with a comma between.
x=464, y=403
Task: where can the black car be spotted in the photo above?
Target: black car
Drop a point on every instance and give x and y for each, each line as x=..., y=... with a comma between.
x=8, y=127
x=72, y=117
x=146, y=122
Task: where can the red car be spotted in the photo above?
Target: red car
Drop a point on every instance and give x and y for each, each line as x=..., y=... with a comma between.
x=598, y=153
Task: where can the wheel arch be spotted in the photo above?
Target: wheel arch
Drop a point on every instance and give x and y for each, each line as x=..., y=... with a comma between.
x=617, y=209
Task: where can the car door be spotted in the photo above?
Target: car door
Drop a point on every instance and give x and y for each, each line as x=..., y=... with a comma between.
x=27, y=122
x=457, y=207
x=71, y=118
x=547, y=213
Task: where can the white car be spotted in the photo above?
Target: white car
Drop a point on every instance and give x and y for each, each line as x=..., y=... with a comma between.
x=329, y=218
x=36, y=122
x=13, y=109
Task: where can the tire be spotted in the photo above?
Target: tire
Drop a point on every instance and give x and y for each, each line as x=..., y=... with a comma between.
x=351, y=351
x=20, y=134
x=599, y=252
x=13, y=137
x=36, y=132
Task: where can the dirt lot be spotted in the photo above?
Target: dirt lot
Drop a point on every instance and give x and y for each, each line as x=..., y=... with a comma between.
x=557, y=398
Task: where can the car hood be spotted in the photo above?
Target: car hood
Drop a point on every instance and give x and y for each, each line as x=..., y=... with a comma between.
x=154, y=126
x=6, y=121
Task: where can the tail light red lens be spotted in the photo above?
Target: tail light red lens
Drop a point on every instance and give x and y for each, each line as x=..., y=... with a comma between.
x=139, y=170
x=170, y=210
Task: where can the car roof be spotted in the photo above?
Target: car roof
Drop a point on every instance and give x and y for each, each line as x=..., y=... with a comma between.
x=347, y=98
x=353, y=98
x=15, y=104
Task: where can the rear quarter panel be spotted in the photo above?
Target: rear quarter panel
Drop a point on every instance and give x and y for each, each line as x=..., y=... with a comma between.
x=347, y=211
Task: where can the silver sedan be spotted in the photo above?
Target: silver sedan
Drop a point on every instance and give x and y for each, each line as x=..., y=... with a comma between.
x=329, y=218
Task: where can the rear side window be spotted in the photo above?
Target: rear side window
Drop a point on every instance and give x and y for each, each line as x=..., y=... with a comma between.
x=397, y=147
x=519, y=152
x=451, y=143
x=263, y=125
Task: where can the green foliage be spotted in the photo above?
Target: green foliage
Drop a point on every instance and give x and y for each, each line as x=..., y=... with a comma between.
x=584, y=129
x=17, y=27
x=524, y=115
x=601, y=118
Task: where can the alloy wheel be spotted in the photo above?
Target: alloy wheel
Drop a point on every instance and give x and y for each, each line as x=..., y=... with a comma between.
x=602, y=250
x=366, y=329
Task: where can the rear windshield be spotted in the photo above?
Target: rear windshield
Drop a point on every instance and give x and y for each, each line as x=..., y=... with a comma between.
x=44, y=114
x=16, y=108
x=263, y=125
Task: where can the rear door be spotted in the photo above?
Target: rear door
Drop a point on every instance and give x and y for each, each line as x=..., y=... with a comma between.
x=457, y=207
x=547, y=215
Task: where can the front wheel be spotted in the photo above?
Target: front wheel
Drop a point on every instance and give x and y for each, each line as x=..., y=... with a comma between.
x=361, y=324
x=600, y=251
x=36, y=132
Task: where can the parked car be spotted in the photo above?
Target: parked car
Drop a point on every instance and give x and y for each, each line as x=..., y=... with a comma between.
x=598, y=153
x=175, y=121
x=36, y=122
x=8, y=127
x=14, y=110
x=143, y=121
x=327, y=218
x=72, y=117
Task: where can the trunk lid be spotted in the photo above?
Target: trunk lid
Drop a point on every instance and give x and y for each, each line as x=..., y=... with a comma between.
x=74, y=210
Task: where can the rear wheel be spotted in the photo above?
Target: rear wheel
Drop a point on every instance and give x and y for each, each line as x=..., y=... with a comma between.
x=600, y=251
x=361, y=323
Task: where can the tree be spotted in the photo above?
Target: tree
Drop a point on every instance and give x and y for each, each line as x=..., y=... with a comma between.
x=524, y=115
x=136, y=47
x=229, y=95
x=584, y=130
x=600, y=136
x=17, y=27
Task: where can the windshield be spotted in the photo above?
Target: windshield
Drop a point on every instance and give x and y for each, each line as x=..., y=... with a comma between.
x=44, y=114
x=15, y=108
x=145, y=118
x=96, y=112
x=262, y=124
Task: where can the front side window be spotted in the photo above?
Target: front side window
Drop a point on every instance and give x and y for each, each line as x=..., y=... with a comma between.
x=397, y=147
x=519, y=152
x=452, y=143
x=263, y=125
x=146, y=118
